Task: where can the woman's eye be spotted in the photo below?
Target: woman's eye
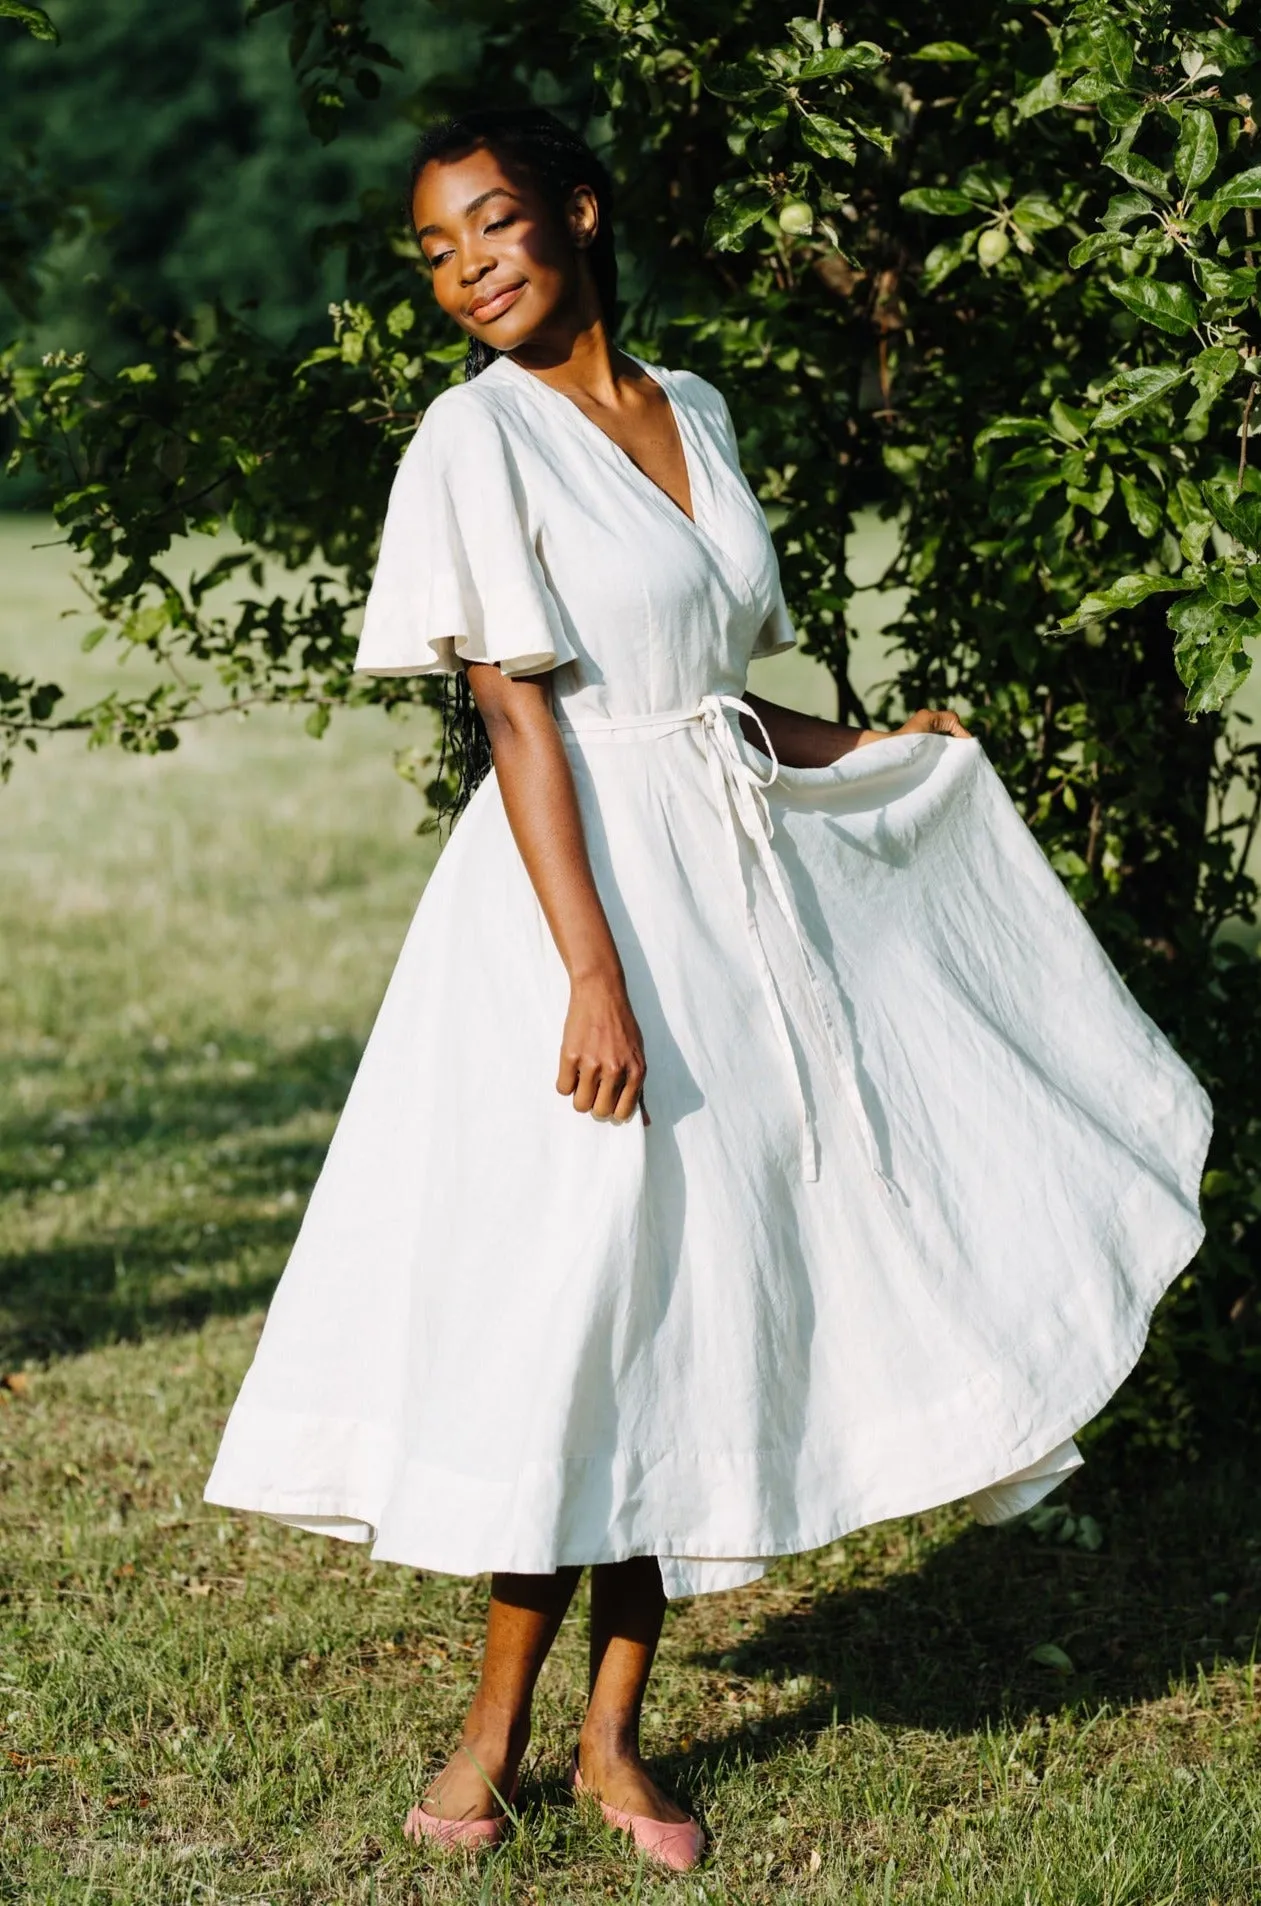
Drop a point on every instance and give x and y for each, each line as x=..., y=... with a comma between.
x=436, y=259
x=499, y=223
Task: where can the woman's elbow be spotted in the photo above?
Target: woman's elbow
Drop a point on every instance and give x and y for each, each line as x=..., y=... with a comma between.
x=516, y=714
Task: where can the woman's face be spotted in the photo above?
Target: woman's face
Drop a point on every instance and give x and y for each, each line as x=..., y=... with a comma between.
x=504, y=264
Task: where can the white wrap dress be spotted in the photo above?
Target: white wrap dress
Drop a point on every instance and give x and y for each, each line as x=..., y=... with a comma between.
x=918, y=1167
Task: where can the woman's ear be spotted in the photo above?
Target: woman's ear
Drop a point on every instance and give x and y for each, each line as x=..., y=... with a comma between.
x=582, y=215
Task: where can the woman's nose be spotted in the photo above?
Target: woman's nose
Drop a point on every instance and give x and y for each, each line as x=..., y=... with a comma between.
x=474, y=264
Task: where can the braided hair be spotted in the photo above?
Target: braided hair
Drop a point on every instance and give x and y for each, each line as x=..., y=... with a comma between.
x=557, y=160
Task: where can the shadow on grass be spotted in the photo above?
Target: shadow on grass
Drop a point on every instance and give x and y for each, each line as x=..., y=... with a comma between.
x=63, y=1301
x=947, y=1646
x=211, y=1123
x=175, y=1099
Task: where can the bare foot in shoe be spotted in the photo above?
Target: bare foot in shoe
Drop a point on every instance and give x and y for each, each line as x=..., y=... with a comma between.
x=461, y=1791
x=617, y=1776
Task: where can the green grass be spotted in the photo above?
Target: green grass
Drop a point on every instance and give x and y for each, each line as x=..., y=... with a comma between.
x=198, y=1707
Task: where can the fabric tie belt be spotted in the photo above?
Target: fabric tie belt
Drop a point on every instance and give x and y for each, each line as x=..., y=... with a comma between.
x=740, y=792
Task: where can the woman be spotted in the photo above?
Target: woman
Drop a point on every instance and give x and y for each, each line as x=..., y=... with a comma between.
x=878, y=1170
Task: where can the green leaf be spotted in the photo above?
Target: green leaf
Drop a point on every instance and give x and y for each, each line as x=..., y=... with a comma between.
x=863, y=57
x=985, y=184
x=1040, y=98
x=1113, y=54
x=1136, y=170
x=1124, y=209
x=144, y=626
x=1227, y=583
x=1224, y=287
x=1069, y=424
x=1229, y=50
x=1137, y=388
x=1195, y=617
x=1186, y=505
x=1244, y=189
x=1047, y=1655
x=1098, y=499
x=1096, y=246
x=1196, y=153
x=1169, y=307
x=1035, y=212
x=199, y=587
x=732, y=217
x=317, y=721
x=940, y=262
x=1151, y=243
x=806, y=32
x=939, y=201
x=944, y=51
x=1239, y=516
x=1214, y=369
x=1125, y=593
x=34, y=19
x=874, y=135
x=826, y=137
x=1087, y=89
x=1010, y=427
x=1216, y=667
x=1142, y=508
x=738, y=80
x=1120, y=109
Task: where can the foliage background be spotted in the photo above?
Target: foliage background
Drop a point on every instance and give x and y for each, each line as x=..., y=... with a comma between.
x=1001, y=287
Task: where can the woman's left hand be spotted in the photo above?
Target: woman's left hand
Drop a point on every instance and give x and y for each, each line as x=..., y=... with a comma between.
x=934, y=721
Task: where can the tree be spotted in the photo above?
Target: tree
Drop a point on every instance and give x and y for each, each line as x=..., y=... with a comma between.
x=1002, y=286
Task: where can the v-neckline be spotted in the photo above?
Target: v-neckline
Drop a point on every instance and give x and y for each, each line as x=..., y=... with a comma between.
x=624, y=456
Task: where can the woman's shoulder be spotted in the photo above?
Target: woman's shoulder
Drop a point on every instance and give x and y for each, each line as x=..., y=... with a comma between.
x=687, y=385
x=694, y=393
x=704, y=404
x=464, y=406
x=465, y=421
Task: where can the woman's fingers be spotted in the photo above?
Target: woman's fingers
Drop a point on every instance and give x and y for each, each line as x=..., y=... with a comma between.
x=630, y=1096
x=605, y=1089
x=588, y=1085
x=601, y=1051
x=935, y=721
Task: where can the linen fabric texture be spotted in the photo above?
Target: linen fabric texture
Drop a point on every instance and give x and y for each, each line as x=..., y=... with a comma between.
x=918, y=1169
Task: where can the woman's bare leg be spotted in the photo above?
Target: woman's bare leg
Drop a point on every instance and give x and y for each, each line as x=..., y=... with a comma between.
x=627, y=1608
x=525, y=1613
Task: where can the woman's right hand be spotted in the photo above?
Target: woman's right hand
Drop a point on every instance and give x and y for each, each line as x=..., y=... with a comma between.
x=602, y=1051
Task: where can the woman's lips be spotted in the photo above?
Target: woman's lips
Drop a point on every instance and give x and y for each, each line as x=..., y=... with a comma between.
x=482, y=313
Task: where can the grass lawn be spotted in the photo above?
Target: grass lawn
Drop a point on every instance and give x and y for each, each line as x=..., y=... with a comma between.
x=199, y=1707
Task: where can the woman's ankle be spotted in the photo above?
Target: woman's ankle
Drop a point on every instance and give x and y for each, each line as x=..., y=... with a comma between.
x=608, y=1740
x=503, y=1733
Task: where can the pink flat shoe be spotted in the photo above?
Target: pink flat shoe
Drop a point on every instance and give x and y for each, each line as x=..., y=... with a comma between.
x=474, y=1834
x=677, y=1844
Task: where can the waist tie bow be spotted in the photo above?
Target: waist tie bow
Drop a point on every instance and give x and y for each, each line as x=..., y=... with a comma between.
x=740, y=792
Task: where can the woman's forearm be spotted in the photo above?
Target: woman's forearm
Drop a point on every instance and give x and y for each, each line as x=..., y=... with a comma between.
x=602, y=1066
x=541, y=803
x=801, y=741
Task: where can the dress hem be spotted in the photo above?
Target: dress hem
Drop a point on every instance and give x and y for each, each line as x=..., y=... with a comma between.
x=228, y=1487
